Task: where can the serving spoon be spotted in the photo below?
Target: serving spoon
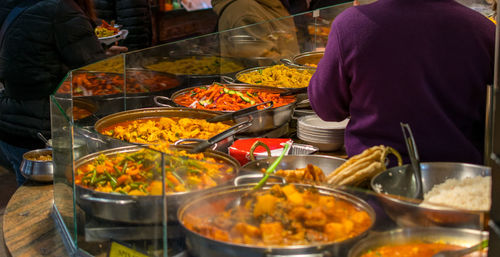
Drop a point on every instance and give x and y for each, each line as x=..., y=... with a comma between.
x=414, y=159
x=462, y=252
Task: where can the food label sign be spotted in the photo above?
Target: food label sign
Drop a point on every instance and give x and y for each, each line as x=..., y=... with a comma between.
x=119, y=250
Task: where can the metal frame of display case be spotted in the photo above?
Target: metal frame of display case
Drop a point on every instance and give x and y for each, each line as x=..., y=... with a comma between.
x=69, y=133
x=494, y=153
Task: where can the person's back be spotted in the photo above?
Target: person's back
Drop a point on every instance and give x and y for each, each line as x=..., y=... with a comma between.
x=134, y=15
x=274, y=37
x=40, y=46
x=422, y=62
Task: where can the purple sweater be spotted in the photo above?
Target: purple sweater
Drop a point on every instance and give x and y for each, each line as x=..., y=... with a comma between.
x=422, y=62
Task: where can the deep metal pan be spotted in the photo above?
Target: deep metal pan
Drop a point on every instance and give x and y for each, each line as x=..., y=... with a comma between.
x=201, y=246
x=291, y=162
x=460, y=237
x=139, y=82
x=308, y=58
x=138, y=209
x=198, y=79
x=237, y=76
x=302, y=99
x=156, y=112
x=263, y=120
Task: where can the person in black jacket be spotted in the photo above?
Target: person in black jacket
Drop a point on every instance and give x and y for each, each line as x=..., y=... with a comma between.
x=133, y=15
x=39, y=48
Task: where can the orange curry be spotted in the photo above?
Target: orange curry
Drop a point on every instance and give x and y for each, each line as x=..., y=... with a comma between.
x=281, y=216
x=415, y=249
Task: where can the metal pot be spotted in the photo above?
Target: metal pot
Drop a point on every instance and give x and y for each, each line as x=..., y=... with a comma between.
x=201, y=246
x=263, y=120
x=191, y=79
x=238, y=74
x=396, y=186
x=37, y=170
x=156, y=112
x=300, y=97
x=90, y=106
x=460, y=237
x=308, y=58
x=138, y=209
x=291, y=162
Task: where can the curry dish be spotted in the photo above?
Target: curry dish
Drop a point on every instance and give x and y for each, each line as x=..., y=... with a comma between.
x=415, y=249
x=311, y=174
x=278, y=76
x=197, y=65
x=280, y=216
x=218, y=97
x=139, y=173
x=163, y=130
x=103, y=83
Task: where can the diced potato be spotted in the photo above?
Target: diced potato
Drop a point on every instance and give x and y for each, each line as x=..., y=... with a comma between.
x=272, y=233
x=265, y=205
x=156, y=188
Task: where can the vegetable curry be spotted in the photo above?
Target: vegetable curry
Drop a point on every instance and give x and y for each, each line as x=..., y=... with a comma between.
x=139, y=173
x=218, y=97
x=281, y=216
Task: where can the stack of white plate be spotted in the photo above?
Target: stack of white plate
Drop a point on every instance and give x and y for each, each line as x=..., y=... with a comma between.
x=326, y=135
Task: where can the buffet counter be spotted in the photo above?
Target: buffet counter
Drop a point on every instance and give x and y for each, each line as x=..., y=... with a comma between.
x=28, y=226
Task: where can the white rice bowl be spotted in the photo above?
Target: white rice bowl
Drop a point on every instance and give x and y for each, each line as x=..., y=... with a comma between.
x=472, y=194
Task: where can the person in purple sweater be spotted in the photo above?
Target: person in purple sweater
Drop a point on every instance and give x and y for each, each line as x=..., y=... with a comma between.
x=422, y=62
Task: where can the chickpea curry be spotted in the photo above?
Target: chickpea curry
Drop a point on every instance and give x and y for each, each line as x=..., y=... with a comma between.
x=282, y=216
x=163, y=129
x=140, y=173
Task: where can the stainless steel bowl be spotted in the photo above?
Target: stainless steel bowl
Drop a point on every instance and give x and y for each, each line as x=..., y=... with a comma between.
x=213, y=202
x=460, y=237
x=308, y=58
x=32, y=169
x=290, y=162
x=396, y=188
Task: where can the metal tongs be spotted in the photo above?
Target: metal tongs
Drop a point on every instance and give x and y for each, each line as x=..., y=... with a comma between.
x=204, y=144
x=243, y=112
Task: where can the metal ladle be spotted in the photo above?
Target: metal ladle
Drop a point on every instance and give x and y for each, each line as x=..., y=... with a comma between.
x=414, y=159
x=462, y=252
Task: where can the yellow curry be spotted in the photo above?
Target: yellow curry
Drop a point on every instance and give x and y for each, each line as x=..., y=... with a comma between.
x=163, y=130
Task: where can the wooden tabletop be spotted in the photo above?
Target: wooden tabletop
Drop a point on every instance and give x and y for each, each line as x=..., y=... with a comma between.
x=28, y=228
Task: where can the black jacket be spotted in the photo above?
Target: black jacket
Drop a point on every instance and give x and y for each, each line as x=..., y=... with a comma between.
x=41, y=46
x=134, y=15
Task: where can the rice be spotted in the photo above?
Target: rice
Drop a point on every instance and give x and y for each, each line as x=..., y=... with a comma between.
x=469, y=193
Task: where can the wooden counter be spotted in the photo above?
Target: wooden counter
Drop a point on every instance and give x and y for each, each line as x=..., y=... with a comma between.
x=28, y=227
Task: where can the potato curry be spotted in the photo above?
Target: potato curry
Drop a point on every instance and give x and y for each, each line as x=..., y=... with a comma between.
x=163, y=130
x=282, y=216
x=140, y=173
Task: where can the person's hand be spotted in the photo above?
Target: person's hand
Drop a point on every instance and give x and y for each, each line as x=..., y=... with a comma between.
x=114, y=50
x=355, y=3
